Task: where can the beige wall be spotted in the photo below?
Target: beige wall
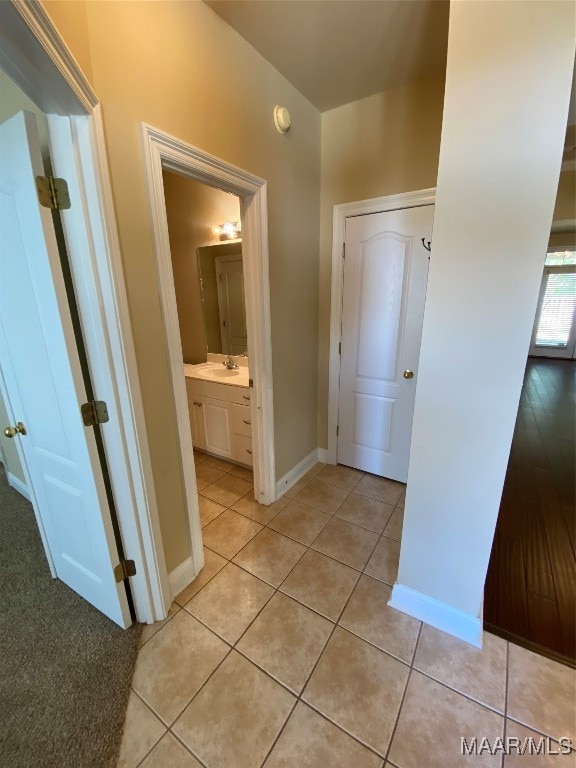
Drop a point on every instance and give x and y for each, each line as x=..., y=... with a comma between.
x=192, y=210
x=565, y=207
x=70, y=18
x=179, y=67
x=383, y=145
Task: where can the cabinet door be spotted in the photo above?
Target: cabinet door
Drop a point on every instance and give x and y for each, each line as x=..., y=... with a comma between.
x=215, y=415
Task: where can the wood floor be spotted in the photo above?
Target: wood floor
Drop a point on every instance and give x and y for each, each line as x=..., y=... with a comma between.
x=531, y=584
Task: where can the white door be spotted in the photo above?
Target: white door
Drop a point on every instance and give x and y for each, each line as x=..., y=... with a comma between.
x=385, y=275
x=45, y=390
x=554, y=333
x=230, y=278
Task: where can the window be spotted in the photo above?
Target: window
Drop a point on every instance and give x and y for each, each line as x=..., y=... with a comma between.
x=554, y=329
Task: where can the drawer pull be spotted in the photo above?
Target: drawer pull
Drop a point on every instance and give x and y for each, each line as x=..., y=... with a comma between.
x=246, y=422
x=199, y=405
x=245, y=398
x=249, y=451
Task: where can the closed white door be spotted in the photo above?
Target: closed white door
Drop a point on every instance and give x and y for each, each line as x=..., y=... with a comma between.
x=385, y=275
x=43, y=379
x=230, y=277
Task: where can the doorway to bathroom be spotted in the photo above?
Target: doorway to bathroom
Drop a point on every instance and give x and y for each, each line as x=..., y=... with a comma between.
x=208, y=273
x=166, y=154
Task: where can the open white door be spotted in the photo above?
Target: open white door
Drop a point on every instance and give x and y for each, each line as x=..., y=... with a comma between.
x=231, y=303
x=45, y=389
x=385, y=276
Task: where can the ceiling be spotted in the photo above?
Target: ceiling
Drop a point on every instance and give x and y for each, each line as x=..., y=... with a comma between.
x=338, y=51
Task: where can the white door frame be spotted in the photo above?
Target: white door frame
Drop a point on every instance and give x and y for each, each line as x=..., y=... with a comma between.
x=33, y=54
x=165, y=152
x=341, y=213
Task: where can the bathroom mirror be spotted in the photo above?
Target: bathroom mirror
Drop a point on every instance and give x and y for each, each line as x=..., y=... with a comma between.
x=222, y=295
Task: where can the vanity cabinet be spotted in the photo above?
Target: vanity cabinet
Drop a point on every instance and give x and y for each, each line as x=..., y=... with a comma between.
x=220, y=419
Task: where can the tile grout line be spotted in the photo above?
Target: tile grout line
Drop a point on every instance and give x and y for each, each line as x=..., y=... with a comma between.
x=298, y=697
x=393, y=733
x=276, y=589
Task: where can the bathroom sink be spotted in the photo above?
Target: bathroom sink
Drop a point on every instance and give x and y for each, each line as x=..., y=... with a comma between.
x=217, y=372
x=221, y=373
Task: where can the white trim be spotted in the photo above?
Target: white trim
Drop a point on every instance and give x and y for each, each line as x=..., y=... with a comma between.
x=324, y=457
x=296, y=473
x=162, y=151
x=437, y=614
x=18, y=485
x=341, y=213
x=62, y=88
x=94, y=257
x=181, y=576
x=34, y=55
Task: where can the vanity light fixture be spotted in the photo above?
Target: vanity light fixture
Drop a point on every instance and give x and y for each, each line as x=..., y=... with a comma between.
x=230, y=230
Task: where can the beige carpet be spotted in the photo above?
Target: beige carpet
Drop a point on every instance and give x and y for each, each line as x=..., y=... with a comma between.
x=65, y=669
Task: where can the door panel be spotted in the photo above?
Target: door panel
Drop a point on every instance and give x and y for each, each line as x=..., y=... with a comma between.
x=231, y=302
x=385, y=274
x=44, y=384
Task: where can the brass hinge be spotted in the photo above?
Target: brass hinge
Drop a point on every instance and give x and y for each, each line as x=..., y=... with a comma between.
x=94, y=412
x=124, y=570
x=343, y=250
x=250, y=382
x=52, y=192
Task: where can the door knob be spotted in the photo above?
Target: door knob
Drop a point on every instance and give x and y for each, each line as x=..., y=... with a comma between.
x=13, y=431
x=408, y=374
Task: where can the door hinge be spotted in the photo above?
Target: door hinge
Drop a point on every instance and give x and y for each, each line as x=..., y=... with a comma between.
x=53, y=192
x=94, y=412
x=124, y=570
x=339, y=347
x=343, y=250
x=337, y=430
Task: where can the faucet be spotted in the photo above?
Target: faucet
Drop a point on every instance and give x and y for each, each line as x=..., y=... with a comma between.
x=230, y=363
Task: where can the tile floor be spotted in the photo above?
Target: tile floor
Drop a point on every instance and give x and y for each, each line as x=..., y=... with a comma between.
x=283, y=653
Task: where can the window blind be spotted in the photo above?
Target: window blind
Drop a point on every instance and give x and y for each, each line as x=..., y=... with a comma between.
x=557, y=310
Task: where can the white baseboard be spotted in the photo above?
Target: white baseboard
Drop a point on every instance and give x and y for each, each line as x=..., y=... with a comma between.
x=181, y=576
x=439, y=615
x=296, y=473
x=18, y=485
x=324, y=456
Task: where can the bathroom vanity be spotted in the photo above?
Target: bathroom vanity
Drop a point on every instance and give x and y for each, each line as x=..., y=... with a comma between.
x=219, y=408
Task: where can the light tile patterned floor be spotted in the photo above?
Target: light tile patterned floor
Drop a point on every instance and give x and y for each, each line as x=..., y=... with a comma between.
x=284, y=653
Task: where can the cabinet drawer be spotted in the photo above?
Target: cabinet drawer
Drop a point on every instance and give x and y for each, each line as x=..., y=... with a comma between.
x=241, y=420
x=242, y=449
